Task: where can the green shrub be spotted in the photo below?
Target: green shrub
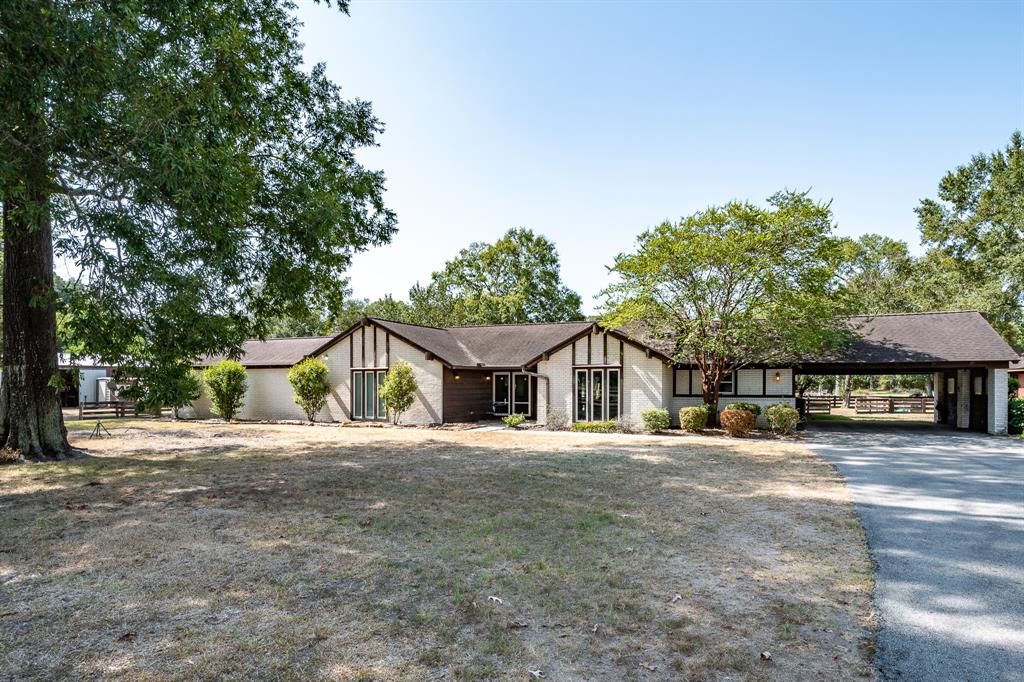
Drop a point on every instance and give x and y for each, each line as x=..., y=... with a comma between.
x=594, y=427
x=738, y=422
x=513, y=420
x=226, y=383
x=1016, y=415
x=558, y=419
x=1013, y=383
x=655, y=419
x=782, y=419
x=309, y=381
x=693, y=419
x=748, y=407
x=398, y=389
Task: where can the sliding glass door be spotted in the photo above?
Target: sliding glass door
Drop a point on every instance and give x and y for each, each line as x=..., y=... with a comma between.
x=598, y=394
x=367, y=402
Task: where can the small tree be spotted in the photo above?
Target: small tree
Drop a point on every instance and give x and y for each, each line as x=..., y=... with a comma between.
x=398, y=389
x=309, y=379
x=735, y=285
x=173, y=385
x=226, y=383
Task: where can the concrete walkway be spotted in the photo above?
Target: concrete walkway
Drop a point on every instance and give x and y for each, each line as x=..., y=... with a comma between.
x=944, y=514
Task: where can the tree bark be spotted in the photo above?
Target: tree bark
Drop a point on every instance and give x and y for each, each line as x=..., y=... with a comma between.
x=31, y=421
x=847, y=390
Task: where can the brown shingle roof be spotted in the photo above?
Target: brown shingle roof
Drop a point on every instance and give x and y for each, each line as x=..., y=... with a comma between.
x=488, y=346
x=273, y=352
x=964, y=336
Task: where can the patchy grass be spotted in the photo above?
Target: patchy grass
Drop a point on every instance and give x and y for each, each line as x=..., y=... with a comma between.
x=242, y=550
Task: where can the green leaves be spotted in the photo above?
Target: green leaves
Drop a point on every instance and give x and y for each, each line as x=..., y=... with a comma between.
x=735, y=284
x=399, y=388
x=309, y=381
x=226, y=384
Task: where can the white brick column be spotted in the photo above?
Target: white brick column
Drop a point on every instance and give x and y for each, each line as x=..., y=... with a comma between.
x=938, y=388
x=998, y=402
x=963, y=398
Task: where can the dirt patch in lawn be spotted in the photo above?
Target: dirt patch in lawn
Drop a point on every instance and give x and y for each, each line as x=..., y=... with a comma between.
x=203, y=550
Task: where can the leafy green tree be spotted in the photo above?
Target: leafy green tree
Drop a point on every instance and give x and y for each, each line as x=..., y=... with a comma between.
x=398, y=389
x=308, y=321
x=309, y=381
x=226, y=382
x=173, y=385
x=735, y=285
x=879, y=275
x=182, y=158
x=517, y=279
x=976, y=232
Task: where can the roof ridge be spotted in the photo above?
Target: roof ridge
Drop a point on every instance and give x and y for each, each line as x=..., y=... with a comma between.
x=516, y=324
x=292, y=338
x=411, y=324
x=919, y=312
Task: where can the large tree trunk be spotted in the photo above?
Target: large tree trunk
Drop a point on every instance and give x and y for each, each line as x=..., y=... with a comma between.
x=31, y=421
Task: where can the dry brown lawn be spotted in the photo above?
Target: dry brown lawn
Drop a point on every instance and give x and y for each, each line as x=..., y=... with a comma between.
x=198, y=550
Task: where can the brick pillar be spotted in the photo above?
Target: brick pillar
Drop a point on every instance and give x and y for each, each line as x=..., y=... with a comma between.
x=998, y=402
x=963, y=398
x=938, y=389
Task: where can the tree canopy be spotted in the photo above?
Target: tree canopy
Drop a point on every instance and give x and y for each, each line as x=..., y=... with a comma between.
x=199, y=178
x=734, y=285
x=516, y=279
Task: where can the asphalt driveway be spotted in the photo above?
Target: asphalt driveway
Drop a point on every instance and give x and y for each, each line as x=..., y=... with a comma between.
x=944, y=515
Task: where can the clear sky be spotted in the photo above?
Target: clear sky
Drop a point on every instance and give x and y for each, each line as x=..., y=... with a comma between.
x=590, y=122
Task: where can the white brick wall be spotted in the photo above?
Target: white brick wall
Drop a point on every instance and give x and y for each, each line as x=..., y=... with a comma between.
x=643, y=383
x=429, y=374
x=748, y=381
x=558, y=370
x=782, y=387
x=269, y=396
x=998, y=405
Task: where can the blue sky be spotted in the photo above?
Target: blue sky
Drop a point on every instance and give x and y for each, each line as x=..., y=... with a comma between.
x=590, y=122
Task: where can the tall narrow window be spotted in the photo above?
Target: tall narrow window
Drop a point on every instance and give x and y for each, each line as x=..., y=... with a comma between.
x=382, y=410
x=357, y=395
x=613, y=394
x=501, y=393
x=581, y=395
x=371, y=395
x=728, y=384
x=521, y=394
x=597, y=395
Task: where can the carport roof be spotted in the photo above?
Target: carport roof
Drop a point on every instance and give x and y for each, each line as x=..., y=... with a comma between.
x=921, y=339
x=272, y=352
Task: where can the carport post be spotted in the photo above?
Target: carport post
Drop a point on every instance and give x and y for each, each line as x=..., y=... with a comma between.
x=963, y=399
x=937, y=389
x=998, y=400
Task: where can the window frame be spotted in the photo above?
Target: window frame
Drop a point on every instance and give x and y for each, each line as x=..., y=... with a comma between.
x=508, y=392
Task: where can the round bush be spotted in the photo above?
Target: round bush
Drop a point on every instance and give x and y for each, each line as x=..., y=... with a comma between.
x=655, y=419
x=693, y=419
x=513, y=420
x=226, y=383
x=738, y=422
x=782, y=419
x=309, y=381
x=748, y=407
x=1016, y=415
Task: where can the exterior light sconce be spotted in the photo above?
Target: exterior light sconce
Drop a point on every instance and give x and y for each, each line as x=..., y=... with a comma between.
x=778, y=377
x=487, y=377
x=457, y=376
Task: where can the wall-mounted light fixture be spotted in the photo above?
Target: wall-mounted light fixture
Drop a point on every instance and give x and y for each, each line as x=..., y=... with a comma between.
x=457, y=376
x=487, y=377
x=778, y=376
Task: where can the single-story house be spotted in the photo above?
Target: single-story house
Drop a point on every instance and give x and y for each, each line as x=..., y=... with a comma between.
x=577, y=371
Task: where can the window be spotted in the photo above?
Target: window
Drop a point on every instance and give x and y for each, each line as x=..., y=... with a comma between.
x=728, y=384
x=500, y=392
x=581, y=395
x=366, y=400
x=357, y=395
x=681, y=382
x=382, y=409
x=950, y=385
x=371, y=395
x=521, y=394
x=596, y=395
x=613, y=394
x=979, y=386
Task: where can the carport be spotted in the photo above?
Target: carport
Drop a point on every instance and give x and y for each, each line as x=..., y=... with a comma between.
x=968, y=361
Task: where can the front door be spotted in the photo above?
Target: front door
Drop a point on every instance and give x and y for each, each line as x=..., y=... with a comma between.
x=512, y=393
x=979, y=400
x=949, y=399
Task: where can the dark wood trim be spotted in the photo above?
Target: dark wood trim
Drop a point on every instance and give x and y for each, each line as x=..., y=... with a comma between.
x=764, y=380
x=351, y=351
x=375, y=345
x=604, y=343
x=362, y=348
x=590, y=357
x=387, y=349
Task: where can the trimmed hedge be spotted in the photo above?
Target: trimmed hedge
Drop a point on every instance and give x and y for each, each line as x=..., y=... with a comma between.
x=738, y=422
x=226, y=384
x=748, y=407
x=655, y=419
x=782, y=419
x=594, y=427
x=1016, y=415
x=693, y=419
